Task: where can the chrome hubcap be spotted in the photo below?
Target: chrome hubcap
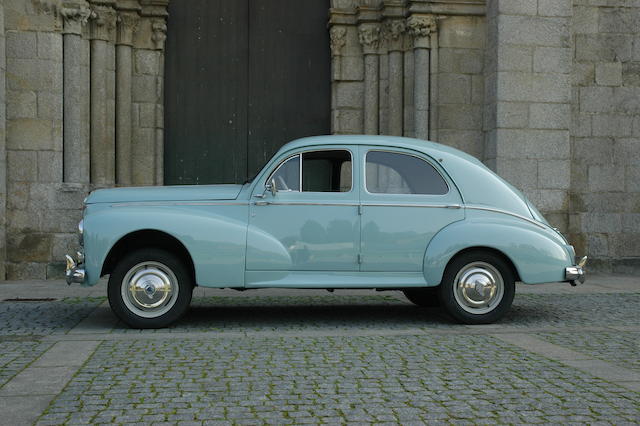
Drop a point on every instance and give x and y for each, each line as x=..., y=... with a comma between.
x=149, y=289
x=479, y=288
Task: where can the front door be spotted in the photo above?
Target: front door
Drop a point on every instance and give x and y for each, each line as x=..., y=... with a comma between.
x=312, y=221
x=242, y=78
x=405, y=202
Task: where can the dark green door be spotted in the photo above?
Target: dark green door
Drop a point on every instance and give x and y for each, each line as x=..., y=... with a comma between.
x=242, y=78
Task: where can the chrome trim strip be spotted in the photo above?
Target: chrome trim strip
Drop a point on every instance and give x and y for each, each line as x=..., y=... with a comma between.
x=427, y=206
x=178, y=203
x=491, y=209
x=279, y=203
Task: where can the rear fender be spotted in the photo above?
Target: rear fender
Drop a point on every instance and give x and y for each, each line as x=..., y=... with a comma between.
x=537, y=255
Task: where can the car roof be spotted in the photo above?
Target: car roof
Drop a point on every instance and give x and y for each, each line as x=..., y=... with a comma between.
x=428, y=147
x=477, y=183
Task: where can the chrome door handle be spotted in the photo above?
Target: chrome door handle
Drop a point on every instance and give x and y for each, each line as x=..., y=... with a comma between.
x=261, y=203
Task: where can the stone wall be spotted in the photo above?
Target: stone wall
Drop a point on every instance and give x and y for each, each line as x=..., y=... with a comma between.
x=546, y=92
x=605, y=172
x=409, y=68
x=528, y=95
x=83, y=111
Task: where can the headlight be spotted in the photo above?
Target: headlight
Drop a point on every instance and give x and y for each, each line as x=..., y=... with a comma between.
x=81, y=232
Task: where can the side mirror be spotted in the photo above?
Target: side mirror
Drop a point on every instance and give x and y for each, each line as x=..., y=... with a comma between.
x=271, y=187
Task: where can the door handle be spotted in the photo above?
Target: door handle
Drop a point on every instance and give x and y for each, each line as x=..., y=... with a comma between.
x=261, y=203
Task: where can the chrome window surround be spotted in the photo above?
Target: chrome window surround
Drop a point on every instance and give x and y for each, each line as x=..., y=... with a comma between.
x=364, y=170
x=300, y=171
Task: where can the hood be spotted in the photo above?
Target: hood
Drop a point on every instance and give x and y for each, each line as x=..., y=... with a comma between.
x=165, y=193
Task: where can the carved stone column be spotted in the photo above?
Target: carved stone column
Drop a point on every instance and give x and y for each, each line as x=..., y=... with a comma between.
x=394, y=29
x=421, y=26
x=103, y=24
x=76, y=93
x=337, y=38
x=127, y=22
x=159, y=27
x=409, y=78
x=369, y=34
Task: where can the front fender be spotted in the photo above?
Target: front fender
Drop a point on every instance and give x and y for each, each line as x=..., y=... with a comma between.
x=538, y=254
x=214, y=236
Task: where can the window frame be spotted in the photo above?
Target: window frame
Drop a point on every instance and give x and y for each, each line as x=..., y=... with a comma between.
x=300, y=154
x=364, y=174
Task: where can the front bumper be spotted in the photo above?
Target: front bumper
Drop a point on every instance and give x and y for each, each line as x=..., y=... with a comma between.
x=576, y=274
x=75, y=271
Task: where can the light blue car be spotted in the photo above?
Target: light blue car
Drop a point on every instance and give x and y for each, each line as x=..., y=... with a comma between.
x=326, y=212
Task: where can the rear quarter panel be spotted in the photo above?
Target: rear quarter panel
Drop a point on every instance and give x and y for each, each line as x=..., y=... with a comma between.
x=538, y=253
x=214, y=234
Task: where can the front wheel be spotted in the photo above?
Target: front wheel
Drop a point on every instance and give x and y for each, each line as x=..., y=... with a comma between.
x=150, y=288
x=477, y=287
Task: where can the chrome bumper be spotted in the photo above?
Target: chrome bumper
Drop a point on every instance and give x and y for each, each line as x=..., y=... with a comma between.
x=75, y=272
x=576, y=274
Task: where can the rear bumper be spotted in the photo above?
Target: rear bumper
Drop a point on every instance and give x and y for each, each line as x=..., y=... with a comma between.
x=576, y=274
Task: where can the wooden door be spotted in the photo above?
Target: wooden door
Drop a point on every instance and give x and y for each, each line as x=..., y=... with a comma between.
x=242, y=78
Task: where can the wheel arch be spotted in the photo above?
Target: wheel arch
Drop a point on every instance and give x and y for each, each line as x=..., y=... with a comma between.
x=147, y=238
x=491, y=250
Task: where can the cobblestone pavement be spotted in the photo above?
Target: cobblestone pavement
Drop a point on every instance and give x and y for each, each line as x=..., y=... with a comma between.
x=292, y=357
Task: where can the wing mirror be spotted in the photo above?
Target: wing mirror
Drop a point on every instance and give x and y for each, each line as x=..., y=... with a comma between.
x=271, y=187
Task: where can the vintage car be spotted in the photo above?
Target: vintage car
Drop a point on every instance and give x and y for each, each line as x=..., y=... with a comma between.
x=328, y=212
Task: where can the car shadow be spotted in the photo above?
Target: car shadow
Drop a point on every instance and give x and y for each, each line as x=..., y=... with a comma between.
x=246, y=318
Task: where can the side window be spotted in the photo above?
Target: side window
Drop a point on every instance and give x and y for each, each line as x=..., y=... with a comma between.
x=287, y=176
x=322, y=171
x=326, y=171
x=396, y=173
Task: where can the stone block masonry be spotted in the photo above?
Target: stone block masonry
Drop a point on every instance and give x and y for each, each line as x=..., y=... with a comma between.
x=545, y=92
x=605, y=196
x=66, y=82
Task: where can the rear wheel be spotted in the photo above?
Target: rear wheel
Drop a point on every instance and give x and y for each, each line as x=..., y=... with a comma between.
x=150, y=288
x=426, y=297
x=477, y=287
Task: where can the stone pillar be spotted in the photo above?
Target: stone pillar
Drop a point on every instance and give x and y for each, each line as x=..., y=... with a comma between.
x=394, y=30
x=369, y=35
x=409, y=78
x=528, y=98
x=433, y=85
x=3, y=151
x=421, y=26
x=103, y=26
x=159, y=28
x=127, y=22
x=347, y=94
x=76, y=93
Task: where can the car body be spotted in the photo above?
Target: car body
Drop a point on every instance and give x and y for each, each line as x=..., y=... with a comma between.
x=374, y=212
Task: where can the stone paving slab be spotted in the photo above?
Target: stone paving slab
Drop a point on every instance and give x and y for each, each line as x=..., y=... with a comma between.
x=620, y=348
x=17, y=355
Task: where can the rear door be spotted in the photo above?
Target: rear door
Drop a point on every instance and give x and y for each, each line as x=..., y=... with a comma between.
x=406, y=199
